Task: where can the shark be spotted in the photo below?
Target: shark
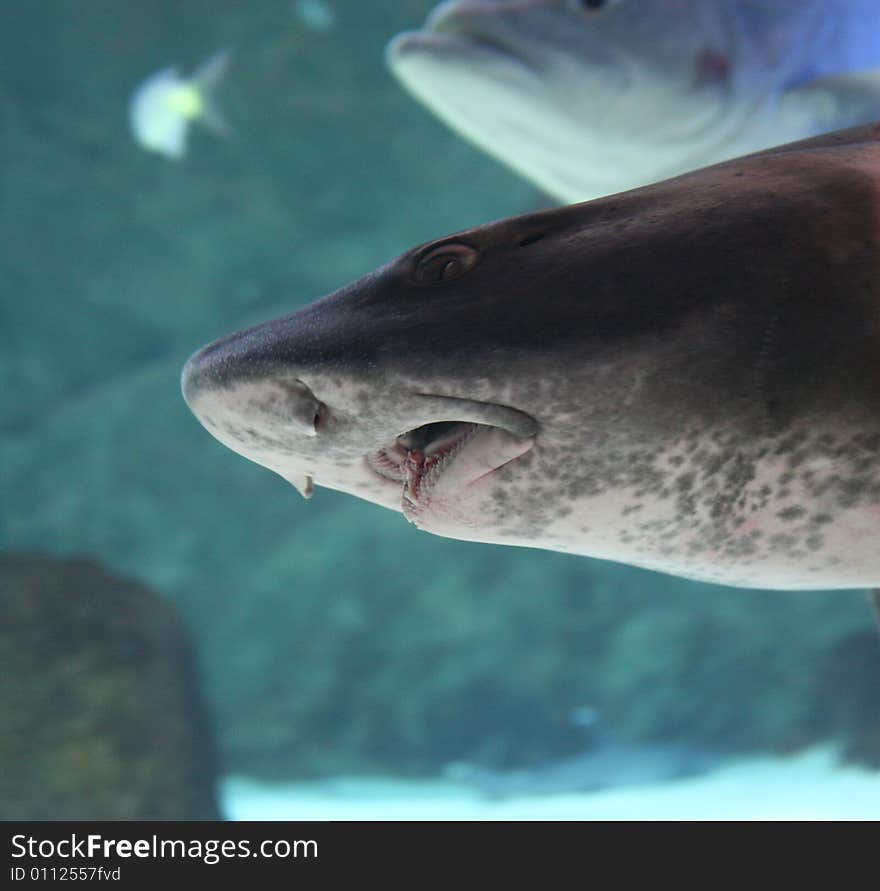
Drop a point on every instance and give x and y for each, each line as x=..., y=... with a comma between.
x=683, y=377
x=590, y=97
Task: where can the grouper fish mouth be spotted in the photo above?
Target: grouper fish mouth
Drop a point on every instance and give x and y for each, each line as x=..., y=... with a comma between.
x=590, y=98
x=684, y=377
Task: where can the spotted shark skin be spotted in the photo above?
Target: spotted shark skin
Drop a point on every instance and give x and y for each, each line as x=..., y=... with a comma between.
x=684, y=377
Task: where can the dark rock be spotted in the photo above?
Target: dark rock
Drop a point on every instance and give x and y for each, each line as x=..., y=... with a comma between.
x=102, y=718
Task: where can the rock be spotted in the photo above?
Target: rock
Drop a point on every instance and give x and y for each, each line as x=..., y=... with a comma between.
x=102, y=716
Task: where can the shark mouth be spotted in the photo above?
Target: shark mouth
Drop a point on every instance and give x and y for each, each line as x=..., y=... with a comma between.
x=438, y=463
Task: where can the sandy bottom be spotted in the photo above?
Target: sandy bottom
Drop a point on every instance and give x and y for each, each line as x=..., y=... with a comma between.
x=811, y=786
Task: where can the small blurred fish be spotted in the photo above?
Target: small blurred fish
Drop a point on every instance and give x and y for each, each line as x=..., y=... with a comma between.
x=317, y=15
x=591, y=97
x=163, y=106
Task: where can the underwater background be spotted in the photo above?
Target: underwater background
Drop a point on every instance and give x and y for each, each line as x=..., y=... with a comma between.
x=330, y=637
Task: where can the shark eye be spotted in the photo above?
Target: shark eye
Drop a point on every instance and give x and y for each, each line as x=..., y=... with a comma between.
x=444, y=263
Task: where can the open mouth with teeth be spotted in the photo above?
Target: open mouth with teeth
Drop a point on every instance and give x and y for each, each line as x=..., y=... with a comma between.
x=438, y=464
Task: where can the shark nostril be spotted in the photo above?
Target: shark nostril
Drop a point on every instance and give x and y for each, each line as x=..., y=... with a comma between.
x=304, y=407
x=319, y=417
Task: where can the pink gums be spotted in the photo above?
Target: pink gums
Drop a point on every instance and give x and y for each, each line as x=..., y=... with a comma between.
x=441, y=483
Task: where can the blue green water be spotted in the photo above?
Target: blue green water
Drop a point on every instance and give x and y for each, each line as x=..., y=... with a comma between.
x=332, y=636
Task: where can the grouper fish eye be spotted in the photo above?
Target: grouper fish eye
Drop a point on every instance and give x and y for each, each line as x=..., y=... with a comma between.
x=592, y=5
x=684, y=377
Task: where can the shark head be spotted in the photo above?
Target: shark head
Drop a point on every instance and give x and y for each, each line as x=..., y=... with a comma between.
x=653, y=377
x=417, y=387
x=457, y=383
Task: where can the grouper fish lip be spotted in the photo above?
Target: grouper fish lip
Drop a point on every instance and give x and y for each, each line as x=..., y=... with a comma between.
x=456, y=33
x=453, y=44
x=464, y=26
x=701, y=359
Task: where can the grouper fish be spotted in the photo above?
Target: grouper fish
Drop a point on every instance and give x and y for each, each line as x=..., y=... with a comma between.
x=590, y=97
x=684, y=377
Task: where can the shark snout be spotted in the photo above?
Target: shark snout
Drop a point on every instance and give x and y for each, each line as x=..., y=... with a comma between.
x=194, y=377
x=281, y=401
x=211, y=368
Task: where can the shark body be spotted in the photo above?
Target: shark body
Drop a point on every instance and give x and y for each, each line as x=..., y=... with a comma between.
x=684, y=377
